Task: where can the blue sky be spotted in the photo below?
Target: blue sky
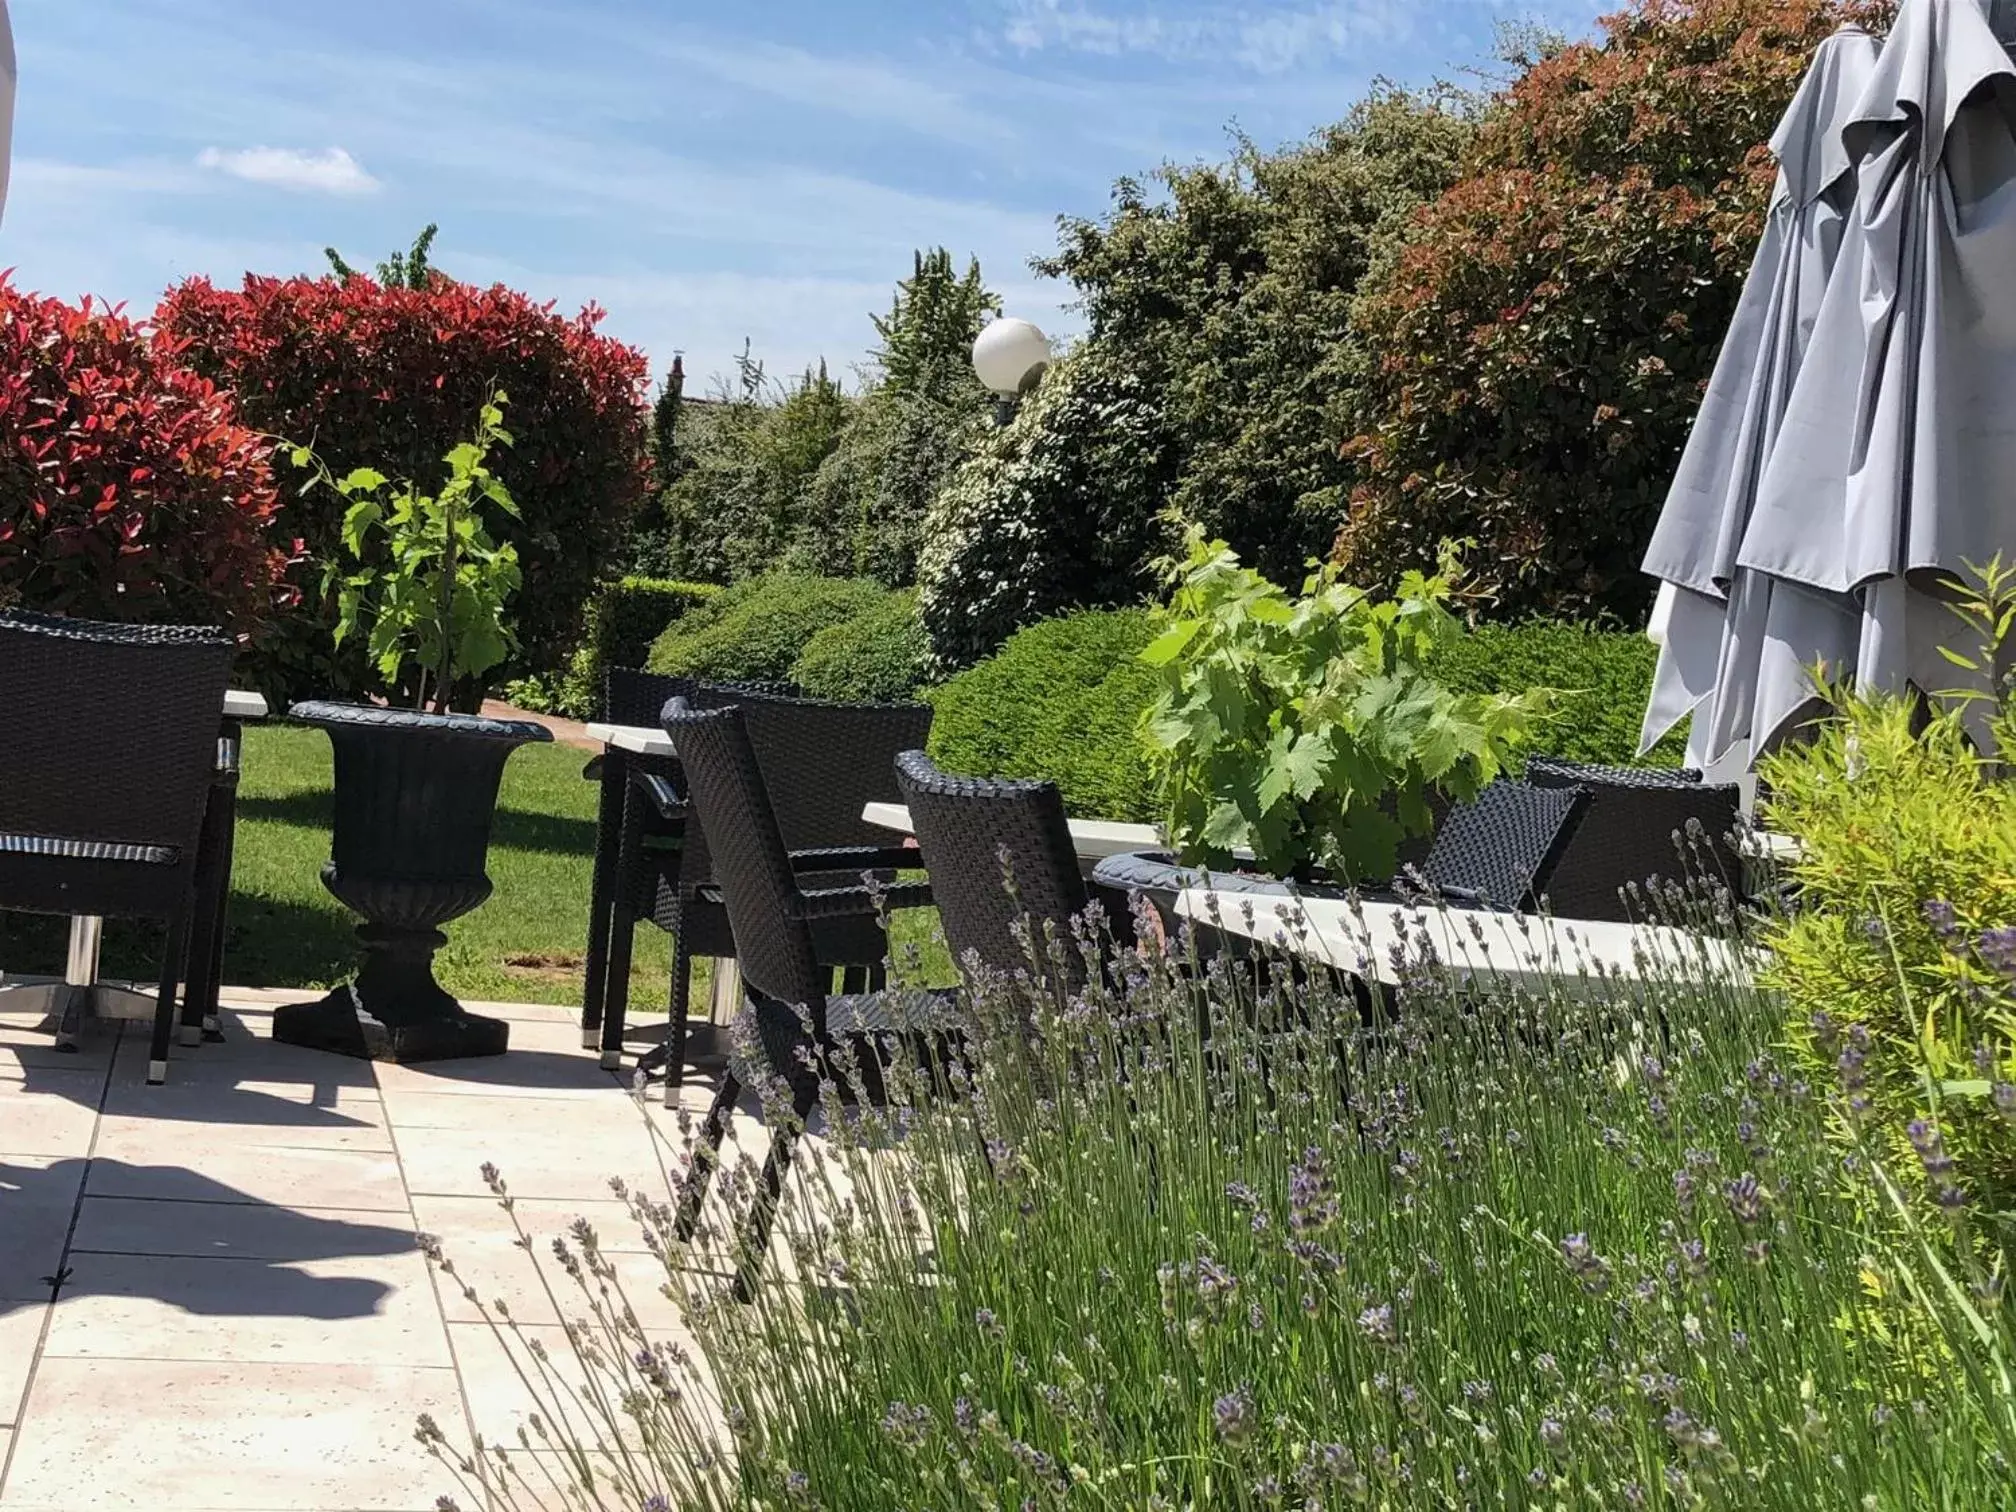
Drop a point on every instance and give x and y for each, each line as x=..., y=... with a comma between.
x=704, y=172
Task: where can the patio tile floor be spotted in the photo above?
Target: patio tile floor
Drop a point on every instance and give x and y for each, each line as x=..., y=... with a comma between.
x=246, y=1324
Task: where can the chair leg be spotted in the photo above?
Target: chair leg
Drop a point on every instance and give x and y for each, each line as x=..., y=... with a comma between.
x=679, y=1003
x=706, y=1155
x=756, y=1235
x=604, y=884
x=622, y=934
x=164, y=1006
x=213, y=878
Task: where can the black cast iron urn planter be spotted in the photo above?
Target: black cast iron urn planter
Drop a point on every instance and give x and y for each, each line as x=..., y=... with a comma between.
x=415, y=794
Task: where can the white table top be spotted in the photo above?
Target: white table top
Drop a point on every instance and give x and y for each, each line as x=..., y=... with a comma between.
x=1093, y=839
x=239, y=704
x=644, y=740
x=1510, y=950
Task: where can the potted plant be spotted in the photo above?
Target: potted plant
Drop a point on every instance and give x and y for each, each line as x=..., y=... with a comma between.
x=1307, y=741
x=416, y=787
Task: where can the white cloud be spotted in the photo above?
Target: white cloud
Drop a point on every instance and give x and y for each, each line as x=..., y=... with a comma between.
x=330, y=171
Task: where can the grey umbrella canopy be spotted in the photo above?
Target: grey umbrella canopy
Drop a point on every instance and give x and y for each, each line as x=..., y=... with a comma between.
x=1723, y=627
x=1894, y=466
x=7, y=78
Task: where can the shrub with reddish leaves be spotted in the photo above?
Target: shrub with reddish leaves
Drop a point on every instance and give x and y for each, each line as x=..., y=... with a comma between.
x=392, y=378
x=128, y=488
x=1538, y=347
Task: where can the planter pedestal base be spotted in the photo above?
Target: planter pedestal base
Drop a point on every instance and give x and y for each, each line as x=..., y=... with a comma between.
x=396, y=1011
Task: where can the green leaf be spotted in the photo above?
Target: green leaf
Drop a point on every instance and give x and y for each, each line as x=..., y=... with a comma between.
x=1167, y=646
x=363, y=480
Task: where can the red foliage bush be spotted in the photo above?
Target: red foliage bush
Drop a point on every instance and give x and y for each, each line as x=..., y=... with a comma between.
x=1539, y=345
x=128, y=489
x=392, y=378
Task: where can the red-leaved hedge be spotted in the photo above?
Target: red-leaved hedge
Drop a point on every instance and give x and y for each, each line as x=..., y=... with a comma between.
x=1540, y=344
x=392, y=378
x=128, y=488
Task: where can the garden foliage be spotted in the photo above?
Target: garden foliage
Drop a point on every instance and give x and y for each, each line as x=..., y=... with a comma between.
x=1228, y=288
x=370, y=376
x=1062, y=700
x=130, y=489
x=1056, y=510
x=1538, y=347
x=877, y=657
x=427, y=584
x=1601, y=679
x=1900, y=961
x=1312, y=732
x=621, y=622
x=1223, y=1234
x=756, y=630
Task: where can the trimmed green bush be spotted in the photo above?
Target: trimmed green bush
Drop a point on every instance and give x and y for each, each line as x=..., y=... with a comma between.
x=1062, y=700
x=877, y=657
x=622, y=621
x=1604, y=677
x=755, y=630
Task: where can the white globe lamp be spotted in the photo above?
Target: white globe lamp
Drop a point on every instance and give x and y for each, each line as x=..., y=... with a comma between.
x=1009, y=355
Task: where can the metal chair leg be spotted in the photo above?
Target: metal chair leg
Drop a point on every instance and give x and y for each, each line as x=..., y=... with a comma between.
x=756, y=1234
x=164, y=1005
x=615, y=998
x=706, y=1155
x=604, y=884
x=206, y=925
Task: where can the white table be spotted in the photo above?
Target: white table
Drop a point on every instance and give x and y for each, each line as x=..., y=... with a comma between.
x=81, y=986
x=1510, y=951
x=638, y=740
x=1093, y=839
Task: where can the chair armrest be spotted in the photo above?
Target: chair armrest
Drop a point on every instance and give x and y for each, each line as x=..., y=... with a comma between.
x=858, y=858
x=835, y=902
x=663, y=796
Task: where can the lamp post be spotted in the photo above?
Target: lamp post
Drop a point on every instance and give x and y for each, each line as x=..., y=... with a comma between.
x=1010, y=356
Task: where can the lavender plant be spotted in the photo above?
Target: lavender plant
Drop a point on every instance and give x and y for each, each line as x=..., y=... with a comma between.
x=1223, y=1230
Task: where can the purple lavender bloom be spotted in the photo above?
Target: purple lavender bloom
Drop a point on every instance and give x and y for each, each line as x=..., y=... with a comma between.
x=1746, y=1198
x=1938, y=913
x=1312, y=1199
x=1232, y=1415
x=2003, y=1094
x=1998, y=949
x=1376, y=1323
x=1590, y=1268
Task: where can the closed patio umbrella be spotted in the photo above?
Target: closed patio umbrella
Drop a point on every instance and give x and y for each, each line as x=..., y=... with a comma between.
x=1894, y=466
x=8, y=74
x=1723, y=631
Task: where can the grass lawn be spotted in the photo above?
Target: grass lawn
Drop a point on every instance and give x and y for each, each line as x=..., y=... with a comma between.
x=525, y=945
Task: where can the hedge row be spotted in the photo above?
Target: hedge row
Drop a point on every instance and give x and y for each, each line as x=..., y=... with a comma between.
x=622, y=621
x=1064, y=698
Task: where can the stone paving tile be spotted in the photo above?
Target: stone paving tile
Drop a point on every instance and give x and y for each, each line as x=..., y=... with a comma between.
x=26, y=1048
x=533, y=1073
x=355, y=1179
x=352, y=1310
x=187, y=1436
x=235, y=1230
x=499, y=1399
x=523, y=1117
x=52, y=1113
x=20, y=1336
x=457, y=1219
x=39, y=1196
x=567, y=1165
x=142, y=1123
x=535, y=1289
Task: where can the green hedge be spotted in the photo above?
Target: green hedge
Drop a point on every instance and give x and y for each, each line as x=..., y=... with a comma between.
x=756, y=630
x=876, y=657
x=1605, y=676
x=1062, y=700
x=622, y=621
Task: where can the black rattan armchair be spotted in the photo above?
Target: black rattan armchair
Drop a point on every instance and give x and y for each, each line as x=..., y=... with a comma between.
x=108, y=749
x=1642, y=825
x=772, y=914
x=1503, y=848
x=978, y=836
x=822, y=762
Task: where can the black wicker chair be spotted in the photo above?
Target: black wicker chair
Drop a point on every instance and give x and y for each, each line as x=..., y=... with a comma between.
x=108, y=746
x=662, y=871
x=772, y=914
x=1502, y=849
x=1641, y=825
x=979, y=833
